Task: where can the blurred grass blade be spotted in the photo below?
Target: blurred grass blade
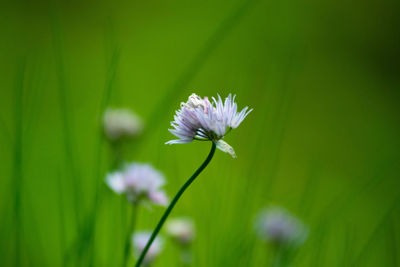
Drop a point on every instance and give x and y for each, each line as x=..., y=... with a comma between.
x=320, y=239
x=35, y=233
x=392, y=244
x=66, y=118
x=62, y=218
x=171, y=97
x=17, y=170
x=383, y=224
x=4, y=131
x=348, y=247
x=99, y=184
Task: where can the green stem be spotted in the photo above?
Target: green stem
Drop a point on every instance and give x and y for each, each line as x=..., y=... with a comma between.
x=173, y=202
x=281, y=256
x=186, y=256
x=129, y=233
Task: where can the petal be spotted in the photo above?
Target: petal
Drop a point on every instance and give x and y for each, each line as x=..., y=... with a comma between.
x=116, y=182
x=224, y=146
x=178, y=141
x=159, y=197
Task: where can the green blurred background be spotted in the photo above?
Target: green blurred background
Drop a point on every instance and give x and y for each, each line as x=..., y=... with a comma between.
x=322, y=141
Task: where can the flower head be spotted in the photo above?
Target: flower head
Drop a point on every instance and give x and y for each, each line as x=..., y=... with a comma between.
x=139, y=241
x=277, y=226
x=181, y=230
x=140, y=182
x=121, y=123
x=201, y=119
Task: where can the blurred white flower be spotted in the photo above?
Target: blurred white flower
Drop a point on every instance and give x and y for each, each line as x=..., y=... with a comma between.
x=139, y=241
x=140, y=182
x=200, y=119
x=181, y=230
x=121, y=123
x=277, y=226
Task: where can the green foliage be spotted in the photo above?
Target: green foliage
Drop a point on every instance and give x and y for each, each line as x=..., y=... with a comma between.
x=322, y=140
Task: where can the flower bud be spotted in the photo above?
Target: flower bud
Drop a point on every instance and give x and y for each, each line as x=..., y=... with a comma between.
x=121, y=123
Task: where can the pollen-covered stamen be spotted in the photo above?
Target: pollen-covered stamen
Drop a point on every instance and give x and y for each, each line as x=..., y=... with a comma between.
x=195, y=102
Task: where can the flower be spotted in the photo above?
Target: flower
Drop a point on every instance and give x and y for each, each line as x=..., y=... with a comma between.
x=121, y=123
x=277, y=226
x=140, y=182
x=139, y=241
x=200, y=119
x=181, y=230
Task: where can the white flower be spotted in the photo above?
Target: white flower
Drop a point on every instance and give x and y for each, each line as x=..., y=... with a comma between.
x=121, y=123
x=200, y=119
x=277, y=226
x=139, y=182
x=139, y=241
x=181, y=230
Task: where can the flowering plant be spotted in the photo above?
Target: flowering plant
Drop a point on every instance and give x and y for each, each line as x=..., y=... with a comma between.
x=199, y=119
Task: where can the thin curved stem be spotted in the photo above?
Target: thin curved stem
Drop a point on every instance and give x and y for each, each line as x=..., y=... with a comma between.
x=129, y=233
x=173, y=202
